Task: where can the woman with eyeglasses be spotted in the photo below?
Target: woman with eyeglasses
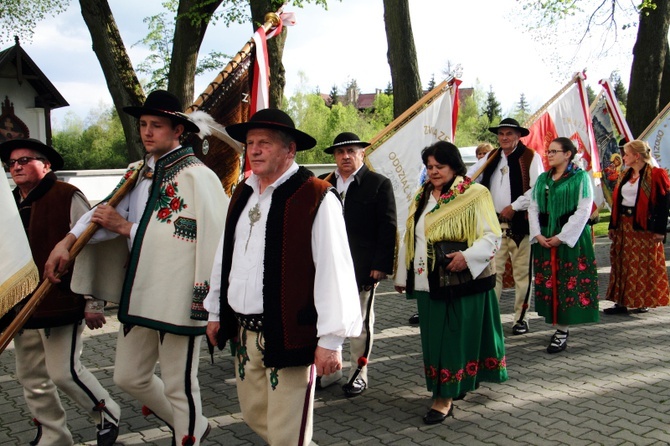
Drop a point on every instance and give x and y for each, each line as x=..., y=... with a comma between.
x=564, y=264
x=638, y=279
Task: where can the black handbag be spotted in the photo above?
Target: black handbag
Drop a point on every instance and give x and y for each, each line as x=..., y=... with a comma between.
x=445, y=247
x=446, y=285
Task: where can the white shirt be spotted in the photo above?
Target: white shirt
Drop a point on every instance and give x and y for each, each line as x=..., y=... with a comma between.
x=477, y=256
x=573, y=228
x=500, y=188
x=629, y=193
x=342, y=185
x=131, y=208
x=335, y=290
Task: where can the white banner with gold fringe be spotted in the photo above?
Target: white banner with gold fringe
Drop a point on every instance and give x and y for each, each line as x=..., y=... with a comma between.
x=18, y=273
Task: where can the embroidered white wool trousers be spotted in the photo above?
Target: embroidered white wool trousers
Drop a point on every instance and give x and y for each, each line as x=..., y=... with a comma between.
x=46, y=363
x=282, y=415
x=175, y=396
x=520, y=257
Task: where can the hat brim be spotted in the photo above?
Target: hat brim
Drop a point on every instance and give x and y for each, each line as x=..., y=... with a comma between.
x=7, y=147
x=239, y=133
x=179, y=118
x=330, y=150
x=522, y=130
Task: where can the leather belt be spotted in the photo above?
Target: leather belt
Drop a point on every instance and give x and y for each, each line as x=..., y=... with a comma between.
x=252, y=322
x=506, y=229
x=627, y=210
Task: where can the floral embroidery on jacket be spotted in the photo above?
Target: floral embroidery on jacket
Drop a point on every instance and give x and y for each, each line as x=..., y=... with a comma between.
x=169, y=202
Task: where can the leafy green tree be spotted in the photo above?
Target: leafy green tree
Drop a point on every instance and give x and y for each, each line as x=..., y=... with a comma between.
x=98, y=143
x=193, y=17
x=472, y=127
x=619, y=88
x=431, y=83
x=492, y=108
x=334, y=95
x=590, y=94
x=522, y=112
x=389, y=89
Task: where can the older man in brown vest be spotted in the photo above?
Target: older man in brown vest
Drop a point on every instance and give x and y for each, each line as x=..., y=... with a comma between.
x=48, y=349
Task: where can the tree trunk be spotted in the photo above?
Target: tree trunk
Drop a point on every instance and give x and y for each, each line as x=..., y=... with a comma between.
x=401, y=56
x=665, y=80
x=121, y=79
x=186, y=46
x=646, y=76
x=275, y=50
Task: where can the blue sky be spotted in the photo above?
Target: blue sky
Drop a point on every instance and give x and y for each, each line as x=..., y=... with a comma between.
x=346, y=42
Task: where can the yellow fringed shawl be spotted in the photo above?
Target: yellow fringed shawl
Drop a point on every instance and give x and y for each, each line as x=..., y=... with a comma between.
x=456, y=220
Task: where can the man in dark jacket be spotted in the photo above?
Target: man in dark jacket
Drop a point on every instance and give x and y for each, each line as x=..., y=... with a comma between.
x=370, y=217
x=48, y=349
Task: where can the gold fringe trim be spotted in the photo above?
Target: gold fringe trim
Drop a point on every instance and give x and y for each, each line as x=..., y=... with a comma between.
x=457, y=221
x=18, y=286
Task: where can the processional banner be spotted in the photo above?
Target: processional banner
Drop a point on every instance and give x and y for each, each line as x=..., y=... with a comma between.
x=18, y=273
x=567, y=114
x=396, y=151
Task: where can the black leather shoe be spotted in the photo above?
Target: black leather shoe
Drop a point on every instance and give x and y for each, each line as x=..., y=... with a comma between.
x=559, y=341
x=206, y=433
x=414, y=319
x=616, y=309
x=642, y=310
x=355, y=388
x=520, y=328
x=436, y=417
x=107, y=436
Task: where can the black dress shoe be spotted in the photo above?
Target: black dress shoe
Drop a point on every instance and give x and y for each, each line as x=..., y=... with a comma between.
x=355, y=388
x=436, y=417
x=616, y=309
x=107, y=435
x=520, y=328
x=559, y=341
x=414, y=319
x=642, y=310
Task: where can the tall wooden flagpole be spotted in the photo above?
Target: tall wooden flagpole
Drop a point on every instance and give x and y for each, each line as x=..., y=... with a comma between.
x=44, y=288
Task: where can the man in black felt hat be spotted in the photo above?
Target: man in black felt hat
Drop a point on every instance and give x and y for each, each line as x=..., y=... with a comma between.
x=48, y=348
x=171, y=222
x=283, y=288
x=510, y=174
x=370, y=217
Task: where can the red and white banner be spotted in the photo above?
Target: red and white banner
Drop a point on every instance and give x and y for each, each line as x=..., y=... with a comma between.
x=260, y=89
x=616, y=115
x=396, y=151
x=568, y=115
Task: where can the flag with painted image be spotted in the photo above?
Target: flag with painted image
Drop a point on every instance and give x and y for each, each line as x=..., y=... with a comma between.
x=657, y=135
x=18, y=273
x=567, y=114
x=607, y=136
x=396, y=151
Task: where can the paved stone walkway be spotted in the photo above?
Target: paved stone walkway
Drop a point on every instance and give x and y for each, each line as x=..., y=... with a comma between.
x=610, y=387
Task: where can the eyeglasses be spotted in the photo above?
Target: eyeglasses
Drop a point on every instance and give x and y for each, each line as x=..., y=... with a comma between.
x=554, y=152
x=24, y=160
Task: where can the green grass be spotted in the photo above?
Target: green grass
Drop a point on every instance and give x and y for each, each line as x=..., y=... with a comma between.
x=600, y=228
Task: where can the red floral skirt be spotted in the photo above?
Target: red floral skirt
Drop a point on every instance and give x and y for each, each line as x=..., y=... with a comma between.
x=638, y=277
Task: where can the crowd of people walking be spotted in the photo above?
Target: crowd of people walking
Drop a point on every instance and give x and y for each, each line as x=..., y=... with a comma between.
x=285, y=270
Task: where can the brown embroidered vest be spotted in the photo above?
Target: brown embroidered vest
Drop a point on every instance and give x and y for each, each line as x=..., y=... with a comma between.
x=288, y=280
x=49, y=222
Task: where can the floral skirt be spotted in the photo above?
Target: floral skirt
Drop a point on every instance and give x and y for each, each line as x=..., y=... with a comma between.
x=576, y=282
x=638, y=277
x=462, y=342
